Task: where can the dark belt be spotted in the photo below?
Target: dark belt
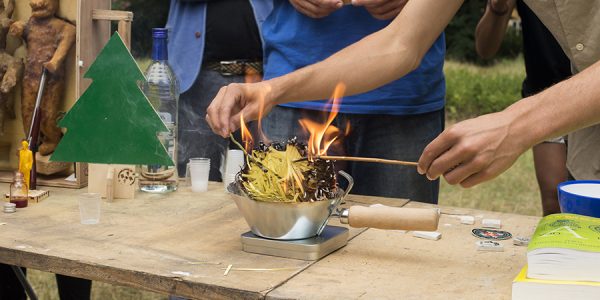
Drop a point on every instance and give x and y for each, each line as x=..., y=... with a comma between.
x=235, y=67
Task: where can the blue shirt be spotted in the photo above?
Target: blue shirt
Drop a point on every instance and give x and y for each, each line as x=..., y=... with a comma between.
x=293, y=40
x=186, y=24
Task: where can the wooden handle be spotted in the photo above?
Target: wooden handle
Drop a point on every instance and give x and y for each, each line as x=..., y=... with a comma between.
x=384, y=217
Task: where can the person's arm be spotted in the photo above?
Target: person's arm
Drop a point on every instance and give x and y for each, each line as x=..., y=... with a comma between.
x=477, y=150
x=377, y=59
x=492, y=27
x=382, y=9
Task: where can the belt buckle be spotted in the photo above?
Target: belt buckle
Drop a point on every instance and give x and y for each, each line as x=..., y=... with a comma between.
x=226, y=67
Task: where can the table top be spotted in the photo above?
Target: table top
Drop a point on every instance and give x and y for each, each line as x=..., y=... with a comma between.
x=381, y=264
x=181, y=243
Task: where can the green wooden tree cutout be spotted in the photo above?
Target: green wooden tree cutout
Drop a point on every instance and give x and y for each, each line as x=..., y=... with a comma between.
x=113, y=122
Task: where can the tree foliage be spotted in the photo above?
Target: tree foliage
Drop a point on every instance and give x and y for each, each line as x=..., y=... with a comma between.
x=460, y=35
x=148, y=14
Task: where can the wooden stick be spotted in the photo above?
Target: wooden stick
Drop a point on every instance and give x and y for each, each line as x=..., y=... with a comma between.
x=368, y=159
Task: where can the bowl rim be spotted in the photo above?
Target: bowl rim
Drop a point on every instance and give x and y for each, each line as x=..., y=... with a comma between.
x=571, y=182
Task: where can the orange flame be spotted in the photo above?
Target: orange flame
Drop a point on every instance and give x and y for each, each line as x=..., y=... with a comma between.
x=246, y=136
x=322, y=136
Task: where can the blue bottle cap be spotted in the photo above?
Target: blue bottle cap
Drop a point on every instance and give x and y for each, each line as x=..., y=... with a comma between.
x=160, y=33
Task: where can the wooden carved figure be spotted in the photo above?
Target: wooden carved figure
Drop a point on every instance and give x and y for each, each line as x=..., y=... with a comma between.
x=10, y=67
x=48, y=40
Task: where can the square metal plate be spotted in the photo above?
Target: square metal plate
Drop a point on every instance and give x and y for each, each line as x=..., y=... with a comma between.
x=331, y=239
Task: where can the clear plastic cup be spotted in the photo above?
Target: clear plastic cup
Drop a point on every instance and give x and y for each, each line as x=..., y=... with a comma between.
x=199, y=169
x=89, y=208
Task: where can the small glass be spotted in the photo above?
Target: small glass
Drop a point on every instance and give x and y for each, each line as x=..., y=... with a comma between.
x=19, y=191
x=89, y=208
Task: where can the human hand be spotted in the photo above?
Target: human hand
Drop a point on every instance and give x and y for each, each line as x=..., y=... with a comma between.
x=316, y=8
x=237, y=100
x=473, y=151
x=382, y=9
x=17, y=28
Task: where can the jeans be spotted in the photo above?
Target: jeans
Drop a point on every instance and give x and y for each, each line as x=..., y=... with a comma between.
x=196, y=139
x=379, y=136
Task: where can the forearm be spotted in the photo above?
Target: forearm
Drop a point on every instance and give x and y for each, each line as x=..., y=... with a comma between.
x=375, y=60
x=491, y=30
x=66, y=42
x=565, y=107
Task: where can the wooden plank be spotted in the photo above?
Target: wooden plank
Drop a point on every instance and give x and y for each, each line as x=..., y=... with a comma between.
x=56, y=180
x=112, y=15
x=382, y=264
x=178, y=243
x=124, y=29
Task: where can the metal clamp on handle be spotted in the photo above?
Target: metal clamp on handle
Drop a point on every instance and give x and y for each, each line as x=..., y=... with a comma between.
x=344, y=214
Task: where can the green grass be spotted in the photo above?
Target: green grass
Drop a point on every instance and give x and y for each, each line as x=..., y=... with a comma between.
x=44, y=285
x=472, y=90
x=515, y=191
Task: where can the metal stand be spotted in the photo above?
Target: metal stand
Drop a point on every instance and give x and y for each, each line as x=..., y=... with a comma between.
x=28, y=289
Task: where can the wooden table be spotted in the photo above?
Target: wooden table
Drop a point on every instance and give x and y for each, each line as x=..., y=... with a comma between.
x=183, y=242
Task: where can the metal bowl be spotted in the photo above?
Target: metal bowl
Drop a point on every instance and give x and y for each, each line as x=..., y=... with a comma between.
x=287, y=221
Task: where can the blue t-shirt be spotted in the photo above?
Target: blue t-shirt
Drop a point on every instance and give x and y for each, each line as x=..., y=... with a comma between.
x=293, y=40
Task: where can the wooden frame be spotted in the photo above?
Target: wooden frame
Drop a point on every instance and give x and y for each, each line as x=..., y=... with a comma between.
x=92, y=18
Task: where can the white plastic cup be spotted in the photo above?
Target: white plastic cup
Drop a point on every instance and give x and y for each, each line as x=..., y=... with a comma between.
x=234, y=162
x=89, y=208
x=227, y=180
x=199, y=171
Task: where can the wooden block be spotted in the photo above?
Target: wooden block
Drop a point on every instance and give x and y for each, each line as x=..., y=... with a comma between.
x=467, y=220
x=35, y=196
x=428, y=235
x=124, y=184
x=491, y=223
x=46, y=167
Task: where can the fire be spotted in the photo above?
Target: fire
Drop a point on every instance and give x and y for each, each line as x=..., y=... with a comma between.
x=322, y=136
x=246, y=136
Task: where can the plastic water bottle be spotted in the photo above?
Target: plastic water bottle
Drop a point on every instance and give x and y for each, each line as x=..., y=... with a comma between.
x=162, y=89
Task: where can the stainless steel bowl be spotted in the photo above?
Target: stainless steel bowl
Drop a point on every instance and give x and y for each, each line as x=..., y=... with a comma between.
x=287, y=221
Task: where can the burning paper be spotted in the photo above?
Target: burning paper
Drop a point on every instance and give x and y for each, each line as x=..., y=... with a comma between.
x=292, y=171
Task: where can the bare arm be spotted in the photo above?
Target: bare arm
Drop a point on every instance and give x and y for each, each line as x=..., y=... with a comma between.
x=377, y=59
x=492, y=27
x=66, y=42
x=479, y=149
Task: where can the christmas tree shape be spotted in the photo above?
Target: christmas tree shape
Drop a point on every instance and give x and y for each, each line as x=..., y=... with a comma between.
x=113, y=122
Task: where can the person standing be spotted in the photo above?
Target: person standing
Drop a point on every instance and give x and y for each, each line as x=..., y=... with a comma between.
x=395, y=121
x=212, y=43
x=545, y=65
